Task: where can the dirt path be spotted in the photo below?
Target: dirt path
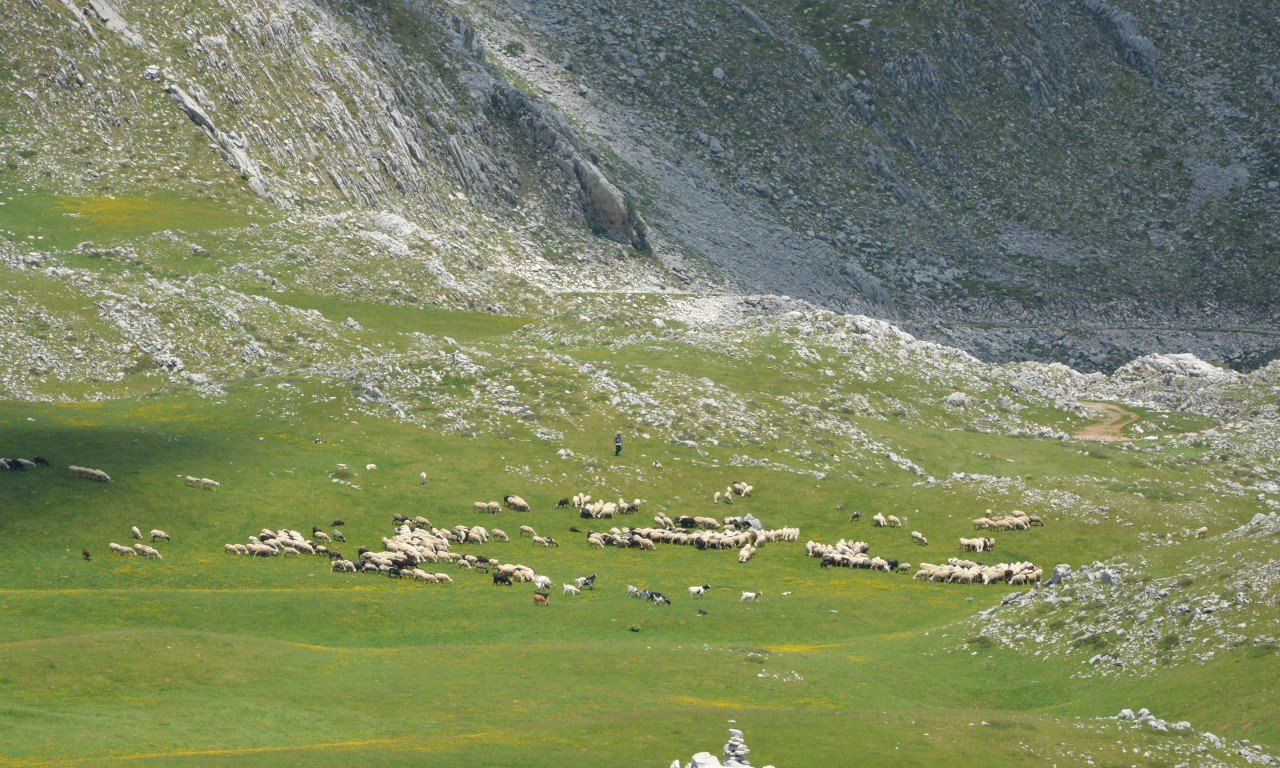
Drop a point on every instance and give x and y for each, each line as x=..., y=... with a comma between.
x=1113, y=428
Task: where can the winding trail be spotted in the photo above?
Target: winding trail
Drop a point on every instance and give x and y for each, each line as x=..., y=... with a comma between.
x=1110, y=430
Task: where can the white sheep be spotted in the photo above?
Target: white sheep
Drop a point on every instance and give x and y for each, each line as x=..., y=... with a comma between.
x=422, y=478
x=716, y=498
x=191, y=481
x=894, y=522
x=542, y=582
x=1202, y=532
x=699, y=591
x=370, y=467
x=919, y=538
x=497, y=534
x=137, y=534
x=527, y=530
x=879, y=521
x=209, y=485
x=569, y=589
x=750, y=597
x=322, y=536
x=157, y=534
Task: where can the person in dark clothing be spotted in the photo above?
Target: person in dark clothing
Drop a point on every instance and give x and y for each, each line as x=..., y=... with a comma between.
x=617, y=444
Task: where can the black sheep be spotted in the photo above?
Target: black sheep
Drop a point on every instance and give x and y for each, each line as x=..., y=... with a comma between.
x=85, y=554
x=561, y=504
x=502, y=578
x=41, y=461
x=337, y=522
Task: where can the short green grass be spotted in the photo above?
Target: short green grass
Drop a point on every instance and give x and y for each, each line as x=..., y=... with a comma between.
x=48, y=221
x=204, y=658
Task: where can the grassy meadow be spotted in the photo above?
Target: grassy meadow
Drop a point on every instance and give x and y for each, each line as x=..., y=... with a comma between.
x=204, y=658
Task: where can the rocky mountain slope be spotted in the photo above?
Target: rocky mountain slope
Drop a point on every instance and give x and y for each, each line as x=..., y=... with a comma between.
x=1036, y=179
x=1041, y=181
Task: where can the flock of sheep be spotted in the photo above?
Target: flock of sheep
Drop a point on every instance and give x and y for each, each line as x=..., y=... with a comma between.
x=146, y=550
x=1017, y=520
x=85, y=473
x=200, y=482
x=968, y=572
x=21, y=465
x=416, y=542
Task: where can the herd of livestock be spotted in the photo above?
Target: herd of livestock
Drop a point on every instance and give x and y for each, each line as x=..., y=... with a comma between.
x=416, y=543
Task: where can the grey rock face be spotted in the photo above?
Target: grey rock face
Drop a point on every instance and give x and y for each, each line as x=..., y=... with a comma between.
x=1137, y=49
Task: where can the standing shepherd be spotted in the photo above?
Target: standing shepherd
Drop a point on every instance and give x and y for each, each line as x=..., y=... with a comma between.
x=617, y=444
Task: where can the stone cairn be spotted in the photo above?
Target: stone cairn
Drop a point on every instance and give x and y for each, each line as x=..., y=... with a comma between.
x=735, y=755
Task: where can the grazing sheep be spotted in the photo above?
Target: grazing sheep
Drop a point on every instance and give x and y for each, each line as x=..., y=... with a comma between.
x=493, y=508
x=337, y=522
x=569, y=589
x=422, y=478
x=338, y=535
x=1202, y=532
x=85, y=554
x=919, y=538
x=147, y=551
x=137, y=534
x=516, y=503
x=118, y=549
x=497, y=534
x=83, y=473
x=716, y=498
x=443, y=578
x=209, y=485
x=40, y=461
x=157, y=534
x=321, y=535
x=481, y=506
x=527, y=530
x=370, y=467
x=191, y=480
x=1035, y=520
x=879, y=521
x=699, y=591
x=545, y=541
x=750, y=597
